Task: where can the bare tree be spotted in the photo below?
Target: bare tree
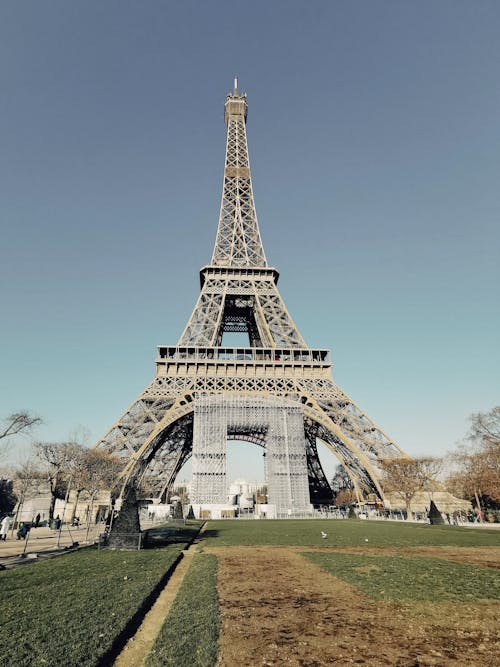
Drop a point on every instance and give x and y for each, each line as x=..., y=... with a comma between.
x=77, y=471
x=27, y=477
x=485, y=427
x=342, y=486
x=477, y=461
x=102, y=470
x=76, y=455
x=18, y=423
x=404, y=477
x=99, y=472
x=341, y=480
x=55, y=457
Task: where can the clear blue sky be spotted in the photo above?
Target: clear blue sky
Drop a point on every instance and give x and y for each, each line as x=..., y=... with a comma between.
x=374, y=133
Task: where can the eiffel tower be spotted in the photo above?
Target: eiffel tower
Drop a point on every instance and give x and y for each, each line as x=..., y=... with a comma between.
x=275, y=392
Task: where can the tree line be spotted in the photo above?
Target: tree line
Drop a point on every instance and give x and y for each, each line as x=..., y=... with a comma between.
x=470, y=472
x=60, y=467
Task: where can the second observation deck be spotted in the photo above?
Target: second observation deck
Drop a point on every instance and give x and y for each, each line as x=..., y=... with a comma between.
x=244, y=354
x=242, y=361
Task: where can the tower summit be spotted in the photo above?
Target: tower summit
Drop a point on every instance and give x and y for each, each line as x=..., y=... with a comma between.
x=238, y=241
x=275, y=391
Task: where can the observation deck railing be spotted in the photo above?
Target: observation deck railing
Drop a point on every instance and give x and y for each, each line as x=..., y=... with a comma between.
x=243, y=354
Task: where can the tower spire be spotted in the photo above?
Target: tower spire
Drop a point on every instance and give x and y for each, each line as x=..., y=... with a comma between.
x=238, y=241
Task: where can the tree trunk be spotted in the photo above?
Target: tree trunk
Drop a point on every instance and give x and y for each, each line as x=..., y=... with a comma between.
x=479, y=509
x=52, y=505
x=20, y=503
x=75, y=504
x=407, y=507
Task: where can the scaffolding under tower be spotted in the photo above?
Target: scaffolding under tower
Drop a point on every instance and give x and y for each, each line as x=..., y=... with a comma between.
x=275, y=423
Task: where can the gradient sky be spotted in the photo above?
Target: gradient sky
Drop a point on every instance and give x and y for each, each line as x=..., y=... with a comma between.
x=374, y=136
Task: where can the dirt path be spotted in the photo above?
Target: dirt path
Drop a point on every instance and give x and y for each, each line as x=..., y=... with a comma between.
x=278, y=608
x=139, y=646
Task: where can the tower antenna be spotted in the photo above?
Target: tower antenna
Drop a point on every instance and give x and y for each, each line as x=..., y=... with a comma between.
x=235, y=91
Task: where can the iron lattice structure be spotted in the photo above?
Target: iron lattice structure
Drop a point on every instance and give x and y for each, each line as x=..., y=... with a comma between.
x=198, y=379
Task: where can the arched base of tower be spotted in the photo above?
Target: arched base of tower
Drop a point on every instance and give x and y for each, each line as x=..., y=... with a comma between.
x=159, y=434
x=277, y=421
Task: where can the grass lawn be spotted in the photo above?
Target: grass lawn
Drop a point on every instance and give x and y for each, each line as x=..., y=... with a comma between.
x=70, y=609
x=190, y=633
x=344, y=533
x=75, y=609
x=410, y=579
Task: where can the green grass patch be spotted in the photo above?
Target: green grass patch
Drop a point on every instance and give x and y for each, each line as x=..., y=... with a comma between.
x=408, y=578
x=344, y=533
x=190, y=633
x=70, y=609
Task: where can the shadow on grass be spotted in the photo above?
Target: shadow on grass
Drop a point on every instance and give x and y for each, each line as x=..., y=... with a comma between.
x=162, y=536
x=135, y=621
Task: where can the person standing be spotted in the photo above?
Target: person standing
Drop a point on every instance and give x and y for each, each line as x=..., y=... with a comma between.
x=4, y=527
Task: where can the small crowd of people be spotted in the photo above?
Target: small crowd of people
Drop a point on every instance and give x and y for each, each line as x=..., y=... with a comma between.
x=5, y=525
x=24, y=527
